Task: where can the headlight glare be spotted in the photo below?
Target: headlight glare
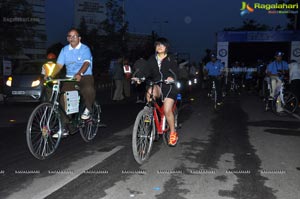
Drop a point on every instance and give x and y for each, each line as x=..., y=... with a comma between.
x=35, y=83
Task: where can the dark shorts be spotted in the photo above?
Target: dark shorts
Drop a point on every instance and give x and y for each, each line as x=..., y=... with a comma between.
x=169, y=91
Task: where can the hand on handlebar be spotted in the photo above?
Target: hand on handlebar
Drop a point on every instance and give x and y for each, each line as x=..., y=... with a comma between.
x=169, y=80
x=48, y=78
x=137, y=80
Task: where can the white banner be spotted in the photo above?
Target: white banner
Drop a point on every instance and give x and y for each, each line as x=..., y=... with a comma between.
x=71, y=102
x=295, y=51
x=223, y=52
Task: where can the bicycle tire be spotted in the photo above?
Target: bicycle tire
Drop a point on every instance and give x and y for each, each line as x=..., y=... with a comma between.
x=39, y=134
x=290, y=101
x=215, y=99
x=89, y=128
x=166, y=135
x=143, y=136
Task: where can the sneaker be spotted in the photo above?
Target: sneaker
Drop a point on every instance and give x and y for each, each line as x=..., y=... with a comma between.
x=173, y=138
x=65, y=133
x=86, y=114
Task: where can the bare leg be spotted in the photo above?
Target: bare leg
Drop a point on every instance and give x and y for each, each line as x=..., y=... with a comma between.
x=156, y=92
x=168, y=106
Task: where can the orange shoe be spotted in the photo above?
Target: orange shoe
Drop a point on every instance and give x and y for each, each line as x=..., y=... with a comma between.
x=173, y=138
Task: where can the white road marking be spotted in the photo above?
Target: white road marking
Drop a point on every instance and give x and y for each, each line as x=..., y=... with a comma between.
x=44, y=186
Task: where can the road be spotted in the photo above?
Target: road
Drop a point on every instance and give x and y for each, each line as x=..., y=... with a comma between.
x=238, y=152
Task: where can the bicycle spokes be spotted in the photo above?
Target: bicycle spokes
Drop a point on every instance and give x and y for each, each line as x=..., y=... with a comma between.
x=42, y=125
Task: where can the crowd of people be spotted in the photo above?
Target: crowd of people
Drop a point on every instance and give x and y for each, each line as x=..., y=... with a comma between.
x=262, y=78
x=77, y=59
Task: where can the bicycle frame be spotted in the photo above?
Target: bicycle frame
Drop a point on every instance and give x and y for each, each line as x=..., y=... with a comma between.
x=158, y=111
x=55, y=98
x=160, y=118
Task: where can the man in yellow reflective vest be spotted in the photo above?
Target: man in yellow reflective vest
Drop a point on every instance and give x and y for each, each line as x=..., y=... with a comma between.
x=47, y=70
x=49, y=66
x=127, y=79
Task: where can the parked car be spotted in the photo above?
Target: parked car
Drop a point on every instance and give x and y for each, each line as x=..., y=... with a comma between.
x=25, y=84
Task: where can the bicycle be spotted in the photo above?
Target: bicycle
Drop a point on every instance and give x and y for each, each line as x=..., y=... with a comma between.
x=45, y=120
x=149, y=125
x=285, y=99
x=234, y=86
x=213, y=93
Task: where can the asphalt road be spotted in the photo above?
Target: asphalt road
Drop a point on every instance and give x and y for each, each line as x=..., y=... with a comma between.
x=238, y=152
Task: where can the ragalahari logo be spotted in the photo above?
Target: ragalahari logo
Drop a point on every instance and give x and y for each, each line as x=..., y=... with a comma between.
x=246, y=8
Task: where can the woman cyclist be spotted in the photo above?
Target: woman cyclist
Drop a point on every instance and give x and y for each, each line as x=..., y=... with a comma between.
x=162, y=66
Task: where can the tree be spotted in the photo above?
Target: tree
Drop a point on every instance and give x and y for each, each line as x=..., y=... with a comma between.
x=294, y=19
x=250, y=25
x=115, y=27
x=15, y=23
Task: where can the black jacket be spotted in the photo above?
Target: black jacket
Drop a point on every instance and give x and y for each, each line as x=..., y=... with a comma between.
x=152, y=71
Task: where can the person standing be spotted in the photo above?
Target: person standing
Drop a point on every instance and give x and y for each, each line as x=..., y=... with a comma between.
x=139, y=65
x=127, y=78
x=294, y=72
x=118, y=77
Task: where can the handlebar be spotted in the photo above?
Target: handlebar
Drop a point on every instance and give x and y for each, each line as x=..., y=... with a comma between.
x=49, y=79
x=143, y=79
x=150, y=82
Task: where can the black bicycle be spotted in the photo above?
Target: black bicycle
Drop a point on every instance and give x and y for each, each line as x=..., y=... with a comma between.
x=45, y=126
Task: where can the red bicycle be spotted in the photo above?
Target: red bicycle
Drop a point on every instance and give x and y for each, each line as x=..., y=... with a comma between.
x=150, y=124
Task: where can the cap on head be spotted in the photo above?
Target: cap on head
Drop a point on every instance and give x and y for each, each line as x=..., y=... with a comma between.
x=279, y=54
x=213, y=55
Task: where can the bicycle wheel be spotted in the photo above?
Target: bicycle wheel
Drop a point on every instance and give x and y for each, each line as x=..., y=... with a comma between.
x=43, y=123
x=89, y=128
x=215, y=99
x=143, y=136
x=290, y=101
x=166, y=135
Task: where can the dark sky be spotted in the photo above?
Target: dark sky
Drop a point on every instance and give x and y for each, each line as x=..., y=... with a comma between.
x=190, y=25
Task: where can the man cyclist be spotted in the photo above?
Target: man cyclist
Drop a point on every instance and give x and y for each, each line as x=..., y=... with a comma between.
x=215, y=71
x=77, y=59
x=163, y=66
x=276, y=71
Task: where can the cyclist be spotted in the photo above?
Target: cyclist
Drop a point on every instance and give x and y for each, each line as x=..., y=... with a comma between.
x=77, y=59
x=276, y=71
x=161, y=66
x=215, y=71
x=47, y=69
x=49, y=66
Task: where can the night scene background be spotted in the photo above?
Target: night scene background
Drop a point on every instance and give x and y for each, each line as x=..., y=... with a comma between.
x=236, y=140
x=189, y=25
